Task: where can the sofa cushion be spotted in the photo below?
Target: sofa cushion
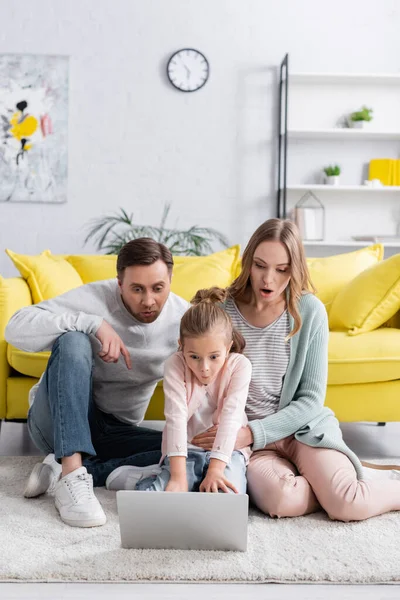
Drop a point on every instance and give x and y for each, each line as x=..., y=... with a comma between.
x=94, y=267
x=192, y=273
x=332, y=273
x=367, y=358
x=369, y=300
x=46, y=275
x=27, y=363
x=371, y=357
x=49, y=275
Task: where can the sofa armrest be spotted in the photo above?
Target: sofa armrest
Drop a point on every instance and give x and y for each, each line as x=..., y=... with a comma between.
x=14, y=294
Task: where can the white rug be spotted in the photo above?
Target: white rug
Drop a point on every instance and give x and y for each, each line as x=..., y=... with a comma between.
x=36, y=546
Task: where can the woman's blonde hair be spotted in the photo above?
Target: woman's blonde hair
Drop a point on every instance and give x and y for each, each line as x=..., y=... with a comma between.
x=286, y=232
x=205, y=315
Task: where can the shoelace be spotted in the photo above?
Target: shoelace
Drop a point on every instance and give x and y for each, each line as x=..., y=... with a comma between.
x=80, y=488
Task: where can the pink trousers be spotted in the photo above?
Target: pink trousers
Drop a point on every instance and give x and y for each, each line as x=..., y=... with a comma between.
x=289, y=479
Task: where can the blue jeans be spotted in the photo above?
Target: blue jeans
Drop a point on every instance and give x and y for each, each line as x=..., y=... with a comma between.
x=64, y=419
x=197, y=464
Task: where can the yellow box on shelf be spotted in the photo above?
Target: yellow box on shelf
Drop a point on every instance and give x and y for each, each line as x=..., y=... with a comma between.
x=387, y=170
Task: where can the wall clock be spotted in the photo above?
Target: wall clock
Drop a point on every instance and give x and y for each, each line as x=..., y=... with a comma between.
x=188, y=70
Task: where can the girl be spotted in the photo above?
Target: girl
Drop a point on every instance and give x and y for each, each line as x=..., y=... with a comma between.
x=205, y=384
x=300, y=462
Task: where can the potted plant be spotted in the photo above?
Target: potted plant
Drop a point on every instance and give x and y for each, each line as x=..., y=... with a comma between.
x=360, y=118
x=332, y=173
x=111, y=232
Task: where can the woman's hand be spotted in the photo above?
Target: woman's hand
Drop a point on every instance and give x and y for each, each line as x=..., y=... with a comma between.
x=177, y=485
x=215, y=481
x=244, y=438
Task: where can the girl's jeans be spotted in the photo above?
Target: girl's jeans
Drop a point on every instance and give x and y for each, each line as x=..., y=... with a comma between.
x=64, y=419
x=197, y=464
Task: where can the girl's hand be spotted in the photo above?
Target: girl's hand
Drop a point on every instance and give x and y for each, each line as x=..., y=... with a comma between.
x=215, y=481
x=177, y=485
x=206, y=439
x=244, y=438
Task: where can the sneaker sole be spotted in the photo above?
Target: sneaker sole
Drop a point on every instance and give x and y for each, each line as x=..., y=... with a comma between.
x=89, y=523
x=114, y=474
x=32, y=486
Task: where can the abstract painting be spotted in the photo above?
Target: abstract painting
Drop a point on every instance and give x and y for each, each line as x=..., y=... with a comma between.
x=33, y=128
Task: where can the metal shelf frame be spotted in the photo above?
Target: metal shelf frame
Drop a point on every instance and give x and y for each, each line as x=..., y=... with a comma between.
x=282, y=138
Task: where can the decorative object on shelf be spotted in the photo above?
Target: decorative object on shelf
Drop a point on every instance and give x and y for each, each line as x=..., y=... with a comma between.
x=332, y=173
x=361, y=118
x=373, y=183
x=111, y=232
x=34, y=125
x=188, y=70
x=386, y=170
x=309, y=216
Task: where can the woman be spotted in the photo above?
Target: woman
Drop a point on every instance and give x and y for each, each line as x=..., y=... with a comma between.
x=300, y=462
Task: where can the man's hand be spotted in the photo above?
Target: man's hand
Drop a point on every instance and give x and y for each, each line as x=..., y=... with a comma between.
x=206, y=439
x=111, y=345
x=177, y=485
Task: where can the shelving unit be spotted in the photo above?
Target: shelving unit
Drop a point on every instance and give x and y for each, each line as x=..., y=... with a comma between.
x=350, y=243
x=322, y=100
x=342, y=134
x=389, y=189
x=359, y=78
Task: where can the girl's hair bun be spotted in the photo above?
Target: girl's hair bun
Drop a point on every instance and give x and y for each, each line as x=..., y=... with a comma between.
x=212, y=295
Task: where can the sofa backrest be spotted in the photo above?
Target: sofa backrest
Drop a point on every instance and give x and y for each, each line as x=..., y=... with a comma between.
x=49, y=275
x=329, y=274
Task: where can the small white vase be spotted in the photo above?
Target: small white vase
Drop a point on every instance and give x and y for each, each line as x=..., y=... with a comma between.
x=332, y=180
x=360, y=124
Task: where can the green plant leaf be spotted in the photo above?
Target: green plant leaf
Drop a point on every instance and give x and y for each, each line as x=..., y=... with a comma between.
x=111, y=232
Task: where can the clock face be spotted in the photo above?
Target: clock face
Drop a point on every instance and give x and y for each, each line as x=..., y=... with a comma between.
x=188, y=70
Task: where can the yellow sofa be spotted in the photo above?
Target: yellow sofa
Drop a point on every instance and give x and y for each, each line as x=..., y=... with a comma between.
x=364, y=345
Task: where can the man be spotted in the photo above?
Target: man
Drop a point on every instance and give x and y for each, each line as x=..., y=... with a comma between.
x=109, y=341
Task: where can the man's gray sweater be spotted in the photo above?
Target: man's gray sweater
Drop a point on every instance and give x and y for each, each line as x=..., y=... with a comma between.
x=116, y=389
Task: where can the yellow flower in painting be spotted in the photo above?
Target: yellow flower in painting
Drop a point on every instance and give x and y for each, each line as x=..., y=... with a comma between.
x=25, y=128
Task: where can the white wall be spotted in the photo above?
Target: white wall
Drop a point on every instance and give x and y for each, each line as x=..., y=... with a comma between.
x=136, y=142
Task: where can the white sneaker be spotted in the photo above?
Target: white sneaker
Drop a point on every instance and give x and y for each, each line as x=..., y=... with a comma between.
x=76, y=502
x=43, y=477
x=127, y=476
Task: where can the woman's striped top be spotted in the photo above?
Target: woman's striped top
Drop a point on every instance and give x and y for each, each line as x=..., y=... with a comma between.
x=269, y=355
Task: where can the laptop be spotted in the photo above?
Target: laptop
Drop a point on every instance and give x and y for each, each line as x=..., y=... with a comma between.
x=184, y=521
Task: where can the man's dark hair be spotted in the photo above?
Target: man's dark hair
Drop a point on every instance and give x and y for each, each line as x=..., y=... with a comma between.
x=143, y=251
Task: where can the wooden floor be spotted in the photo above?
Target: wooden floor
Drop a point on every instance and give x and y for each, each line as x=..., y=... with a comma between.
x=366, y=439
